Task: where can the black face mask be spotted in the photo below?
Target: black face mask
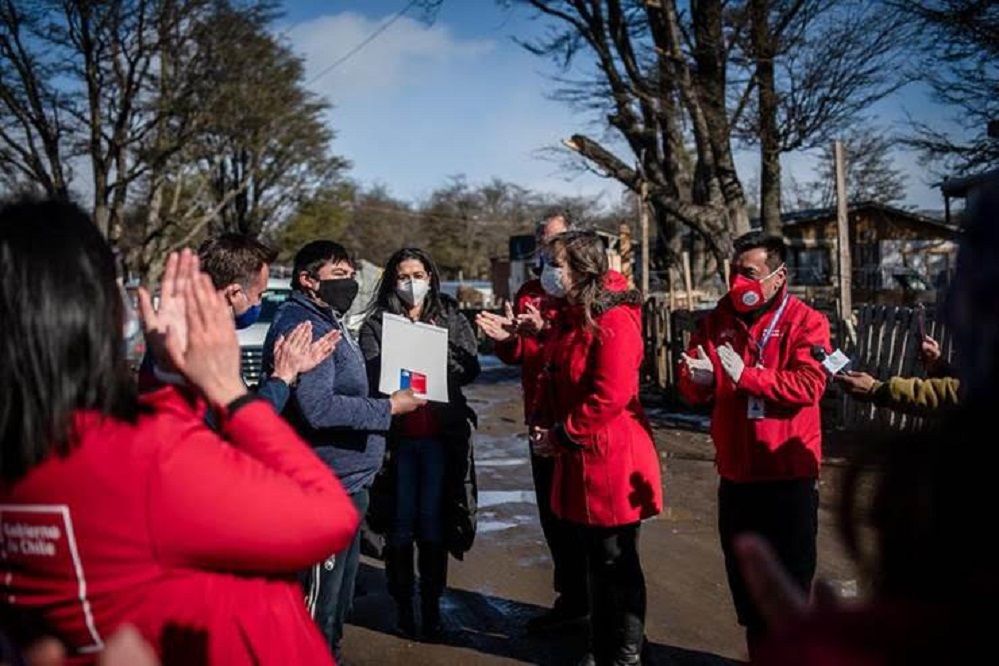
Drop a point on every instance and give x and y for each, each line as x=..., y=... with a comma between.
x=338, y=294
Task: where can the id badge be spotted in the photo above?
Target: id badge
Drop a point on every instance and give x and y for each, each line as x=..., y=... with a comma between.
x=754, y=407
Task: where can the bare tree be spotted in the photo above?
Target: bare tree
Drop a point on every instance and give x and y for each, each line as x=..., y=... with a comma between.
x=811, y=69
x=35, y=117
x=188, y=113
x=871, y=174
x=268, y=143
x=664, y=98
x=961, y=64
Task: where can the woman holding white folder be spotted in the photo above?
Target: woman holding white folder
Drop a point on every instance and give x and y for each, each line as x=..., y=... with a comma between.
x=429, y=462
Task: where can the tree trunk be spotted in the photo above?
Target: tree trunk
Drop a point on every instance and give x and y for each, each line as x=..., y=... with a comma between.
x=764, y=52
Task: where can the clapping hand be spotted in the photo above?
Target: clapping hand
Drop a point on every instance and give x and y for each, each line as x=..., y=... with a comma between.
x=498, y=327
x=166, y=325
x=701, y=369
x=530, y=322
x=732, y=363
x=192, y=331
x=297, y=353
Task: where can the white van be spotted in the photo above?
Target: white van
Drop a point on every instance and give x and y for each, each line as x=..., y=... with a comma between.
x=251, y=339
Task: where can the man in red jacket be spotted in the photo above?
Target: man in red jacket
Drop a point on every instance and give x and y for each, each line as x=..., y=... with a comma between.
x=524, y=330
x=752, y=357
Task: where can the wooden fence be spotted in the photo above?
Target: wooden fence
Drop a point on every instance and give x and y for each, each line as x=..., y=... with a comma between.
x=886, y=344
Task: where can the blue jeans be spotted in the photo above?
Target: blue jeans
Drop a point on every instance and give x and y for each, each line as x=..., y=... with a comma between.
x=336, y=584
x=419, y=492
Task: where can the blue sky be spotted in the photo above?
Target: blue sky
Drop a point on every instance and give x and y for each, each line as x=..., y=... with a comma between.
x=425, y=101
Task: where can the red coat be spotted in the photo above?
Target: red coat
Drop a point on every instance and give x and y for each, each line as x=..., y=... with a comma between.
x=787, y=442
x=192, y=538
x=525, y=350
x=608, y=471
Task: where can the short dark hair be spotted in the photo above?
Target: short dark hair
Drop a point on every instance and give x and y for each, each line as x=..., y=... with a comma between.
x=315, y=255
x=234, y=259
x=774, y=245
x=61, y=331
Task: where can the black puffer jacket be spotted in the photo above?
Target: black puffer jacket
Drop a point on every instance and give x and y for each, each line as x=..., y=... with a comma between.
x=457, y=420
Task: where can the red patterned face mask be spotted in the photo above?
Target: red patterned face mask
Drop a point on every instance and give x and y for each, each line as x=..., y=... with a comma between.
x=746, y=293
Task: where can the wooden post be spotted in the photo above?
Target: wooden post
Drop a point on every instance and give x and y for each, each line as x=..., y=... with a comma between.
x=672, y=290
x=687, y=282
x=643, y=220
x=843, y=238
x=627, y=254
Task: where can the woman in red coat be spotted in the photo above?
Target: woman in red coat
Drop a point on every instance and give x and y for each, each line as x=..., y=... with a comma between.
x=607, y=476
x=116, y=509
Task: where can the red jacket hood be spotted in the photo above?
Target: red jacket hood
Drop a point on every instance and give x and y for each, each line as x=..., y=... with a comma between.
x=614, y=281
x=618, y=293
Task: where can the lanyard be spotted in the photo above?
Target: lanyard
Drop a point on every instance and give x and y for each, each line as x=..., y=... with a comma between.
x=770, y=329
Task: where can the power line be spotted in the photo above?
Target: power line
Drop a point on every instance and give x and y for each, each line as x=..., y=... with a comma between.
x=367, y=40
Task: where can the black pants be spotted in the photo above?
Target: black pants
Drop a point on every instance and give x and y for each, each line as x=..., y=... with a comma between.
x=785, y=513
x=617, y=589
x=563, y=539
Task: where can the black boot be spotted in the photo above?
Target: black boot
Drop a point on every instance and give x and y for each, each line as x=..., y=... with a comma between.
x=628, y=651
x=401, y=579
x=627, y=602
x=432, y=563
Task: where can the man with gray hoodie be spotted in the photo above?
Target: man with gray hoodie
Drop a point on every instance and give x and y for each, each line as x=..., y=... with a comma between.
x=331, y=409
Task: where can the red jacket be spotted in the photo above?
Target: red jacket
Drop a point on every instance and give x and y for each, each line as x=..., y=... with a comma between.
x=525, y=350
x=192, y=538
x=787, y=442
x=607, y=471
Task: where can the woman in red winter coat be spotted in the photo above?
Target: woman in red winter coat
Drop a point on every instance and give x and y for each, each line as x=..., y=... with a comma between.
x=116, y=509
x=607, y=476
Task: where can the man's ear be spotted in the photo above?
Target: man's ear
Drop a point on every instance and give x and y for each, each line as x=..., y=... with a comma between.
x=306, y=280
x=230, y=292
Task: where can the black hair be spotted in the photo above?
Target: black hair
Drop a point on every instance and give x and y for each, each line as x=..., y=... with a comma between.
x=61, y=331
x=316, y=254
x=774, y=245
x=234, y=259
x=386, y=298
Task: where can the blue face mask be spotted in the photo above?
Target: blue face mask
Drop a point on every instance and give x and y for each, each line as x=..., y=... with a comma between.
x=248, y=318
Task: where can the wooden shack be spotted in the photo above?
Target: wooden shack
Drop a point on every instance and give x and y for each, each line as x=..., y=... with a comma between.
x=898, y=256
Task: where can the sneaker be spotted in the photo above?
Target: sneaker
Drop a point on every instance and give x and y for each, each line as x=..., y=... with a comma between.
x=561, y=616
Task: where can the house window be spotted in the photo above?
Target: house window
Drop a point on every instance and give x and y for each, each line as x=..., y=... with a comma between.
x=810, y=266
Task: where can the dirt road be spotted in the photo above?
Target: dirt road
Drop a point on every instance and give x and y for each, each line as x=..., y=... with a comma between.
x=506, y=578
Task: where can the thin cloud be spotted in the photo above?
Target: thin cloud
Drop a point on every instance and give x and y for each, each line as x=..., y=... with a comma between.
x=408, y=53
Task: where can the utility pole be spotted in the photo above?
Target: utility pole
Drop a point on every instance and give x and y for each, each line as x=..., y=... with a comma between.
x=643, y=220
x=843, y=238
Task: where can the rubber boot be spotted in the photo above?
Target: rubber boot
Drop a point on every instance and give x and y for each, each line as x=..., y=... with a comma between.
x=401, y=579
x=432, y=563
x=628, y=635
x=628, y=652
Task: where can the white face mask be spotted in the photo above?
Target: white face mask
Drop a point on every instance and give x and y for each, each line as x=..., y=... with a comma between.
x=551, y=281
x=413, y=291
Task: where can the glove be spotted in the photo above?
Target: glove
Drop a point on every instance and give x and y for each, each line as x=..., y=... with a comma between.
x=701, y=370
x=732, y=363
